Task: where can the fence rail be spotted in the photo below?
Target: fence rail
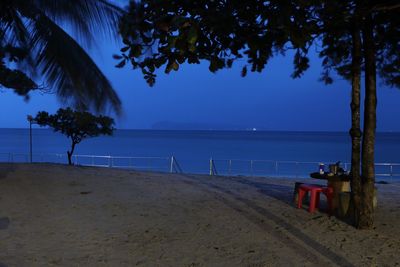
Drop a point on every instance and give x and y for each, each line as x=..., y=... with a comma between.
x=288, y=168
x=140, y=163
x=384, y=171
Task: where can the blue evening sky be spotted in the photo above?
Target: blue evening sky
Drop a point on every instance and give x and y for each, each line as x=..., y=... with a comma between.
x=271, y=100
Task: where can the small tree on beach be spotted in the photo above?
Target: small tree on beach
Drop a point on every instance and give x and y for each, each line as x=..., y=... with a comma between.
x=76, y=125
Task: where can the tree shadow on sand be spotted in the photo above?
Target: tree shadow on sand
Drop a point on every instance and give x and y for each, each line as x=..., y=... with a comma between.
x=302, y=244
x=279, y=192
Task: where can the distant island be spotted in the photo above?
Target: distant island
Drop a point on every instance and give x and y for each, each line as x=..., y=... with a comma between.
x=169, y=125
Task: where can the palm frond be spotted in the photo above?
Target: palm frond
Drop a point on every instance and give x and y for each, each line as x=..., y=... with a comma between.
x=15, y=32
x=69, y=69
x=85, y=18
x=13, y=27
x=62, y=62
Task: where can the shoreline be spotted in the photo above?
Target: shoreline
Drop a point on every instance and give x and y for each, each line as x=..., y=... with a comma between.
x=64, y=216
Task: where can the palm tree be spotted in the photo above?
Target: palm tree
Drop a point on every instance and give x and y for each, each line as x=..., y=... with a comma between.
x=32, y=34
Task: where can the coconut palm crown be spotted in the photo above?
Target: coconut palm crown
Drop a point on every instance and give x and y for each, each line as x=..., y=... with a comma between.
x=35, y=47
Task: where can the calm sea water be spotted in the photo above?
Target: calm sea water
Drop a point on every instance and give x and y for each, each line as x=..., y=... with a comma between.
x=193, y=149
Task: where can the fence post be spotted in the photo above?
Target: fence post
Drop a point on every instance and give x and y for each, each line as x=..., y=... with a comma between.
x=171, y=167
x=211, y=167
x=391, y=173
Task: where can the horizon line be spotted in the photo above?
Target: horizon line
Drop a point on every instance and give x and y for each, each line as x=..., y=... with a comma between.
x=212, y=130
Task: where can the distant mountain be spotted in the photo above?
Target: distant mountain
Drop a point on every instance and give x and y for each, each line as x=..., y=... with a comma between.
x=169, y=125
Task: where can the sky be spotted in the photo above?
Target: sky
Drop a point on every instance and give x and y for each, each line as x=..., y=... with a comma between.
x=193, y=96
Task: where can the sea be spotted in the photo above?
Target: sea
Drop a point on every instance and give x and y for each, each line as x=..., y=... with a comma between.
x=269, y=153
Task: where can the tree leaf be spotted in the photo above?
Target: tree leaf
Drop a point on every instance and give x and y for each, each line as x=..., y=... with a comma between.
x=124, y=49
x=175, y=66
x=192, y=36
x=121, y=64
x=244, y=71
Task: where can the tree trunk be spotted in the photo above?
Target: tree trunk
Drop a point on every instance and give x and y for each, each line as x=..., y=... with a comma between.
x=366, y=219
x=355, y=131
x=69, y=153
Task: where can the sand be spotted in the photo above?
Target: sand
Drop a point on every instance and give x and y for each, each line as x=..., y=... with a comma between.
x=56, y=215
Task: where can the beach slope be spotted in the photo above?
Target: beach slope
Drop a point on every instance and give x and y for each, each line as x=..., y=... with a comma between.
x=56, y=215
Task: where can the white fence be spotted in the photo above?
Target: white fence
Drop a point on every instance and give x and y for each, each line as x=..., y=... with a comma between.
x=288, y=168
x=384, y=171
x=162, y=164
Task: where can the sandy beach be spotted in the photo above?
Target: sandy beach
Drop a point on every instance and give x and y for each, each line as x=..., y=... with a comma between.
x=56, y=215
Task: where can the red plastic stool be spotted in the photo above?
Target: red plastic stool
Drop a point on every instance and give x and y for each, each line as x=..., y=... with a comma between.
x=315, y=191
